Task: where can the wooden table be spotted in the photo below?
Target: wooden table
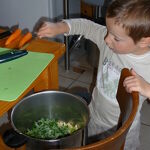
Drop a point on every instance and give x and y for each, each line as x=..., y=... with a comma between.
x=47, y=80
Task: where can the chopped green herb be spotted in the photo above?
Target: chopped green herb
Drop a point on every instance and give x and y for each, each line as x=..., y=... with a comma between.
x=51, y=129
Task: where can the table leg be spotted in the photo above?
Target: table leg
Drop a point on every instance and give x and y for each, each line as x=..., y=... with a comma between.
x=53, y=76
x=66, y=39
x=48, y=80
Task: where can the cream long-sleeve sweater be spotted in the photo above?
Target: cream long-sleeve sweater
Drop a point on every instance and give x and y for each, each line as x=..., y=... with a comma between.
x=104, y=108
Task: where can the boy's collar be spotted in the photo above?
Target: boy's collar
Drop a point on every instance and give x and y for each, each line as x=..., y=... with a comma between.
x=139, y=56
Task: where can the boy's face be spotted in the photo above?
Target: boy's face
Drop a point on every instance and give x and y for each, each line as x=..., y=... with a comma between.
x=118, y=40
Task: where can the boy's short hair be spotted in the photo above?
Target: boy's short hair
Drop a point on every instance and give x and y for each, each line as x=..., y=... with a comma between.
x=133, y=15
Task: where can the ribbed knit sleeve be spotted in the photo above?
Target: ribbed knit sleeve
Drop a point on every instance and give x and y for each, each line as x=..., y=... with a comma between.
x=88, y=29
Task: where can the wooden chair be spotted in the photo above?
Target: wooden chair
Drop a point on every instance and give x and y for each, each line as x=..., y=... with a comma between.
x=128, y=106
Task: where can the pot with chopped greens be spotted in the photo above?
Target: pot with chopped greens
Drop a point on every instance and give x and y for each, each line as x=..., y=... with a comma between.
x=51, y=120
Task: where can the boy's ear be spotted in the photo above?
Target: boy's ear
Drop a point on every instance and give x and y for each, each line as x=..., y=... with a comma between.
x=144, y=42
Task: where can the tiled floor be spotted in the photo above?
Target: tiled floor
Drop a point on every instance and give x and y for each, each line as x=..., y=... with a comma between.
x=70, y=79
x=80, y=73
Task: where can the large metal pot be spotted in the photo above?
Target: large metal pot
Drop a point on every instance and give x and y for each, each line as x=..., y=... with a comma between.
x=53, y=105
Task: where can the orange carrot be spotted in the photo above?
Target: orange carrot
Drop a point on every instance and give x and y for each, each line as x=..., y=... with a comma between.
x=13, y=36
x=25, y=39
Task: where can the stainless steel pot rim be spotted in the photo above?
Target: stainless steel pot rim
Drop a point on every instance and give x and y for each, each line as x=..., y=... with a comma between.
x=50, y=91
x=52, y=140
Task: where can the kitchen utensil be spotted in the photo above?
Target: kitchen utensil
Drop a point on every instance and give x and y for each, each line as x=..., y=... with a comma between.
x=11, y=55
x=5, y=34
x=53, y=105
x=17, y=75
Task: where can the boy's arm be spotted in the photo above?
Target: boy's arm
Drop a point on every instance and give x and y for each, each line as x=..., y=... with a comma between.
x=87, y=28
x=137, y=83
x=49, y=29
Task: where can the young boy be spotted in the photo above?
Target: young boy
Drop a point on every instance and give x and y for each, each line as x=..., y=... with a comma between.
x=124, y=42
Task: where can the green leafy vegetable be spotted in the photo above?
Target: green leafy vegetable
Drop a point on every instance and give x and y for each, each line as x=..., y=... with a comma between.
x=51, y=129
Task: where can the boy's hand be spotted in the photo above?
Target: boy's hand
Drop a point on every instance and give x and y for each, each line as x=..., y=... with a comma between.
x=49, y=29
x=137, y=83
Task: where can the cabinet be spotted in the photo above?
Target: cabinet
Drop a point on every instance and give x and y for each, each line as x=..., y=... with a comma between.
x=90, y=10
x=87, y=10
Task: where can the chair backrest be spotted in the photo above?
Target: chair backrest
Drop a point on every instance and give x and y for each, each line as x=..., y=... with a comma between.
x=128, y=106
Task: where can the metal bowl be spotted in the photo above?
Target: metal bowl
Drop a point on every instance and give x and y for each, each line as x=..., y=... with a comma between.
x=53, y=105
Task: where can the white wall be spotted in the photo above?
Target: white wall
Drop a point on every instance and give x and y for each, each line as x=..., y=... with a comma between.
x=24, y=12
x=56, y=8
x=28, y=12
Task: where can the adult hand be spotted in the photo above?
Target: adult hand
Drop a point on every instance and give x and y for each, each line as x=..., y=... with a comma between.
x=137, y=83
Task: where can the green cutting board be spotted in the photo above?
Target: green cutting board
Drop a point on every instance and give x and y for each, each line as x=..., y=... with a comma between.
x=17, y=75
